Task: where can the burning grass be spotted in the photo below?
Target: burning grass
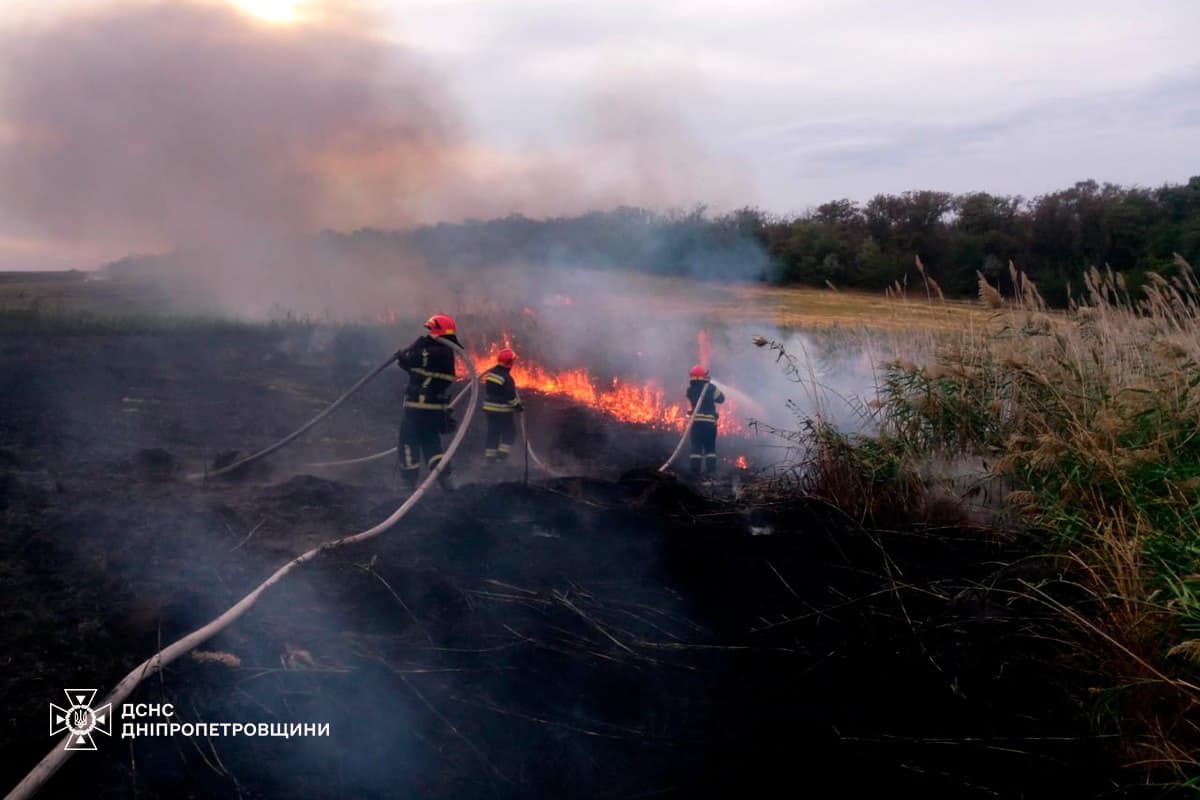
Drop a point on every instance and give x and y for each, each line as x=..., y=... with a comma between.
x=1086, y=423
x=639, y=404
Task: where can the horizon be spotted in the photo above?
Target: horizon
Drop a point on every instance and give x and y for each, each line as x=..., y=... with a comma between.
x=1025, y=204
x=389, y=115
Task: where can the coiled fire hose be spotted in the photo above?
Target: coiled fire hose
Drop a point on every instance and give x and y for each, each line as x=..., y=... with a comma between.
x=382, y=453
x=687, y=428
x=58, y=756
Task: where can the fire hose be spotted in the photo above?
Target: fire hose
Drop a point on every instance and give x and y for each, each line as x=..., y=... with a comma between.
x=381, y=453
x=529, y=451
x=687, y=428
x=533, y=453
x=58, y=756
x=363, y=381
x=385, y=453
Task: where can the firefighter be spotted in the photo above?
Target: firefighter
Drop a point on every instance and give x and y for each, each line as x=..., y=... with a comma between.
x=500, y=402
x=704, y=426
x=429, y=363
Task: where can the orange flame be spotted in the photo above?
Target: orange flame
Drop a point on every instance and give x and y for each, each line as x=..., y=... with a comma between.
x=644, y=404
x=741, y=463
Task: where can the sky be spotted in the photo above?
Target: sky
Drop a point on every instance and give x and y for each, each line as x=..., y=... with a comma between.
x=547, y=108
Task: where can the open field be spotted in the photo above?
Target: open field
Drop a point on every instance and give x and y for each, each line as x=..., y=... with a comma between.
x=609, y=633
x=790, y=307
x=75, y=292
x=79, y=293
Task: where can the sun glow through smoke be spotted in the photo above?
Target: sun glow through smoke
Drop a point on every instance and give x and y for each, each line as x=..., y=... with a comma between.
x=279, y=11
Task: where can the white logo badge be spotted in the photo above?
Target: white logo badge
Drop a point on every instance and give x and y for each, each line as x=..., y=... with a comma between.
x=80, y=719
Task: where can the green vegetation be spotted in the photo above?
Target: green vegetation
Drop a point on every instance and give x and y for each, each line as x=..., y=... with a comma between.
x=1087, y=423
x=1054, y=237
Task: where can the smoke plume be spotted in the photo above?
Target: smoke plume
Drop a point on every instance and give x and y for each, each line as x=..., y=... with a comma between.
x=191, y=128
x=188, y=124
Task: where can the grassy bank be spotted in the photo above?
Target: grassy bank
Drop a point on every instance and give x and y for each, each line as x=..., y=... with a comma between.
x=1080, y=428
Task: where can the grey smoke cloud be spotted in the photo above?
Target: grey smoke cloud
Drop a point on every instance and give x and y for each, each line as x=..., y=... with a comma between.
x=139, y=126
x=187, y=124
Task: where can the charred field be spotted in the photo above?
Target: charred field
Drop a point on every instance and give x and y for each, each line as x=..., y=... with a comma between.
x=611, y=633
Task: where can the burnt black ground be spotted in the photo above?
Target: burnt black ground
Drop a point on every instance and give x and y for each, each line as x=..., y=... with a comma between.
x=611, y=636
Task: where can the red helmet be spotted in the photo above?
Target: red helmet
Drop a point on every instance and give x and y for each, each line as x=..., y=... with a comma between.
x=506, y=356
x=440, y=325
x=699, y=372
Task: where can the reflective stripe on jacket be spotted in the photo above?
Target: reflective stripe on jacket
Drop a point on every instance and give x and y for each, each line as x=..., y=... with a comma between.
x=708, y=408
x=430, y=367
x=499, y=390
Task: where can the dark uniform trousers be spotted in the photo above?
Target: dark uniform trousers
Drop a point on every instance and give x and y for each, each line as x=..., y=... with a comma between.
x=500, y=403
x=501, y=430
x=420, y=441
x=704, y=426
x=704, y=446
x=430, y=366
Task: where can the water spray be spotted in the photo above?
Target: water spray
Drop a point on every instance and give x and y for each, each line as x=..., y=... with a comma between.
x=745, y=402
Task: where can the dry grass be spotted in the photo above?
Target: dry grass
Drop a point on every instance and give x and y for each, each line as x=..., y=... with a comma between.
x=795, y=307
x=216, y=657
x=74, y=292
x=1089, y=422
x=55, y=300
x=894, y=311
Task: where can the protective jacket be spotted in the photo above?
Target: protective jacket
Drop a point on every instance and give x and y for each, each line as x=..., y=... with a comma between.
x=499, y=391
x=708, y=407
x=430, y=366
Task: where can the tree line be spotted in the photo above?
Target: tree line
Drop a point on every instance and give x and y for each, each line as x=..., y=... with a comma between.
x=1053, y=238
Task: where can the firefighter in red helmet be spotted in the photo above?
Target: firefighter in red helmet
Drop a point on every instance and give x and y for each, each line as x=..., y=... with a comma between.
x=500, y=402
x=429, y=362
x=704, y=427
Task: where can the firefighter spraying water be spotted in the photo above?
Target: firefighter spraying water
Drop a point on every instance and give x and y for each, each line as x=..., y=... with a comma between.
x=703, y=397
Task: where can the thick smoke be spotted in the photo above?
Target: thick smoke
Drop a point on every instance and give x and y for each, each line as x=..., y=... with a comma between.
x=186, y=124
x=651, y=330
x=193, y=129
x=623, y=143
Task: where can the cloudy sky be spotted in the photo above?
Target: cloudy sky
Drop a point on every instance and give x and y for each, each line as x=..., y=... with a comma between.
x=817, y=99
x=555, y=107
